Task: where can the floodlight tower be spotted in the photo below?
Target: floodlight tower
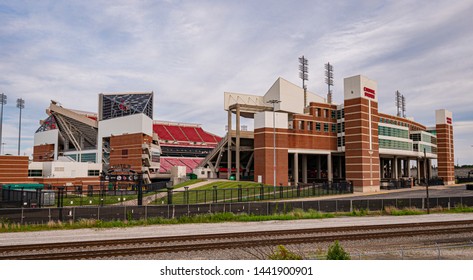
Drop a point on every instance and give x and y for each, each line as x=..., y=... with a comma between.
x=20, y=104
x=3, y=101
x=329, y=80
x=403, y=106
x=398, y=101
x=304, y=75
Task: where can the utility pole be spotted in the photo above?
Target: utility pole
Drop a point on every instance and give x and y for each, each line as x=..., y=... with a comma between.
x=3, y=101
x=20, y=103
x=426, y=182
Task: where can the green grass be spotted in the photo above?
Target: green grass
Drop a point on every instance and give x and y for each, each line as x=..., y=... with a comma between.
x=286, y=214
x=229, y=192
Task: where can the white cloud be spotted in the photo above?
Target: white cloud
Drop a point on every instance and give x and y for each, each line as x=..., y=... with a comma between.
x=190, y=52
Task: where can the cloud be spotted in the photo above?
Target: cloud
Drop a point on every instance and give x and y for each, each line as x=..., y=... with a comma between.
x=190, y=52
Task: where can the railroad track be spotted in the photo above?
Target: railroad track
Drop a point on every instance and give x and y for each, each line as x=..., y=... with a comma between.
x=104, y=248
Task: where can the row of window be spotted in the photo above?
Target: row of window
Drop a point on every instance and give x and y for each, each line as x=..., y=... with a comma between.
x=39, y=173
x=428, y=149
x=309, y=126
x=393, y=144
x=424, y=138
x=87, y=157
x=390, y=121
x=393, y=132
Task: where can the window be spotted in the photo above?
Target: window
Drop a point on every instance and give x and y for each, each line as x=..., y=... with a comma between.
x=325, y=127
x=300, y=125
x=317, y=126
x=334, y=127
x=93, y=172
x=125, y=153
x=334, y=114
x=309, y=126
x=325, y=113
x=35, y=173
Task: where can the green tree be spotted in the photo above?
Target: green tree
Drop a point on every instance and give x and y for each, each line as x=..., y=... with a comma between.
x=336, y=252
x=282, y=253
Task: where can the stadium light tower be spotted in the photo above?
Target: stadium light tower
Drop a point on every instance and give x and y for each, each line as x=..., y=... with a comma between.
x=304, y=75
x=329, y=80
x=20, y=103
x=3, y=101
x=274, y=102
x=398, y=101
x=403, y=106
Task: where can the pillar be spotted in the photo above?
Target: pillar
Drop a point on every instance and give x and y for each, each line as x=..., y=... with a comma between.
x=361, y=133
x=396, y=166
x=319, y=169
x=329, y=167
x=229, y=144
x=237, y=143
x=296, y=168
x=445, y=149
x=304, y=169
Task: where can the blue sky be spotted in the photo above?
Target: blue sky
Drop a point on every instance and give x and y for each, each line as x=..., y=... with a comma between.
x=190, y=52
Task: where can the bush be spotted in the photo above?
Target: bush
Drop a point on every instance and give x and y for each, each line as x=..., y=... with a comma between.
x=336, y=252
x=284, y=254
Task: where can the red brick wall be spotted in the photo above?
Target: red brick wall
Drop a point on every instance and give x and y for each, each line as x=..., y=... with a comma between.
x=127, y=149
x=445, y=153
x=264, y=155
x=43, y=153
x=361, y=167
x=14, y=169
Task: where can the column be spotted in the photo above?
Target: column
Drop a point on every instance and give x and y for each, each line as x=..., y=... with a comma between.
x=237, y=144
x=329, y=167
x=229, y=144
x=396, y=166
x=340, y=167
x=418, y=171
x=304, y=169
x=296, y=168
x=319, y=167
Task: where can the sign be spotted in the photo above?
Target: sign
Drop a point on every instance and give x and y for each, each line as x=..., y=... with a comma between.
x=370, y=93
x=449, y=120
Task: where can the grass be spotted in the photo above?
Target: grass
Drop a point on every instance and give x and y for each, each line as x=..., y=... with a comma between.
x=286, y=214
x=229, y=192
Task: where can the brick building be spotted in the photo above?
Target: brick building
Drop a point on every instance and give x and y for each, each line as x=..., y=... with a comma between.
x=352, y=141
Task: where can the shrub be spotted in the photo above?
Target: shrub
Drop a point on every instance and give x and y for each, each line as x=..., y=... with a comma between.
x=282, y=253
x=336, y=252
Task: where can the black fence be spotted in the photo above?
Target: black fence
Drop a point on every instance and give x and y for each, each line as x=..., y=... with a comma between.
x=45, y=215
x=260, y=193
x=158, y=194
x=460, y=180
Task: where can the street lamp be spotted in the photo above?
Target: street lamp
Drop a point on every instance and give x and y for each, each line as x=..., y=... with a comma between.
x=20, y=103
x=274, y=102
x=3, y=101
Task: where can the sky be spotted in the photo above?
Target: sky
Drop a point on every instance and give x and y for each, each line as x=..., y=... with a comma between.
x=190, y=52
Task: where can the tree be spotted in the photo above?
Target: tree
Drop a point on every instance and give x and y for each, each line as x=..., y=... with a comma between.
x=336, y=252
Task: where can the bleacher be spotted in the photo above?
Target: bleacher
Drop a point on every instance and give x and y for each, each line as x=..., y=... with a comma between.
x=183, y=134
x=168, y=162
x=183, y=144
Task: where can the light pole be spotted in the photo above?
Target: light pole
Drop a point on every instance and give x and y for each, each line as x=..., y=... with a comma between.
x=274, y=102
x=20, y=103
x=3, y=101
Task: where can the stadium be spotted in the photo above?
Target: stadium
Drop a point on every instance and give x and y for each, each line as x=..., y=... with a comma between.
x=299, y=137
